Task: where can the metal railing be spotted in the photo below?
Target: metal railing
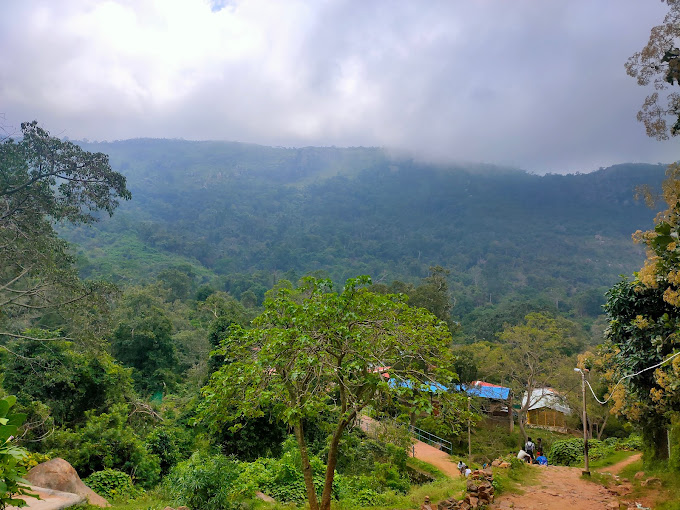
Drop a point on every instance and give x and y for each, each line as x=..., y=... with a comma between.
x=431, y=439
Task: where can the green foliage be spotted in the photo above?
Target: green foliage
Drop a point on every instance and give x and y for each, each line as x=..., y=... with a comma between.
x=43, y=180
x=142, y=339
x=313, y=351
x=106, y=440
x=631, y=443
x=286, y=212
x=113, y=485
x=170, y=445
x=32, y=459
x=62, y=376
x=11, y=457
x=566, y=452
x=204, y=482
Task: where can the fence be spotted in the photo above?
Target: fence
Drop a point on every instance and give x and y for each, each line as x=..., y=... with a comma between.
x=431, y=439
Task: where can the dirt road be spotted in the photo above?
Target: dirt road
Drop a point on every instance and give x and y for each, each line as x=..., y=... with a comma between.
x=562, y=487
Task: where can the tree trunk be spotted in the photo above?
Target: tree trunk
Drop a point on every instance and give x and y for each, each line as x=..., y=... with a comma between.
x=601, y=430
x=306, y=467
x=520, y=422
x=330, y=470
x=333, y=461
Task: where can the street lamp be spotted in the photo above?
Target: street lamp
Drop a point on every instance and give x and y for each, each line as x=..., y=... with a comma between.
x=586, y=470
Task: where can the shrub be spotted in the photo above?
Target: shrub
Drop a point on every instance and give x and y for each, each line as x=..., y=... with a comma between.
x=106, y=441
x=113, y=485
x=32, y=459
x=204, y=482
x=632, y=442
x=566, y=452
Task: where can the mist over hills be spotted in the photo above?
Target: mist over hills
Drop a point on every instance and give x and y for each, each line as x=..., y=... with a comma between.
x=242, y=216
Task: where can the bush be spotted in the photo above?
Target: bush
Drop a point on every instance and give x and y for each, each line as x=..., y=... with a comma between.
x=631, y=443
x=106, y=441
x=113, y=485
x=566, y=452
x=204, y=482
x=33, y=459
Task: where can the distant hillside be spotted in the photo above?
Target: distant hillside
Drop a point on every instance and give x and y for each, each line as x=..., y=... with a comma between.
x=231, y=209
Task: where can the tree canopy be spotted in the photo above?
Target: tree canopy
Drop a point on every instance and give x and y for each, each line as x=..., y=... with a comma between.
x=44, y=180
x=317, y=352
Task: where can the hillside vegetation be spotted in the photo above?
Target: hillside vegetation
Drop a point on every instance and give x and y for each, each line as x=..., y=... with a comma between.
x=229, y=209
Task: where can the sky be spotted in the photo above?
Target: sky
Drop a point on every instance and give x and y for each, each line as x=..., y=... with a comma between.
x=535, y=84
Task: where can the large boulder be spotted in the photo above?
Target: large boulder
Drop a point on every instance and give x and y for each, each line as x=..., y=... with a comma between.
x=59, y=475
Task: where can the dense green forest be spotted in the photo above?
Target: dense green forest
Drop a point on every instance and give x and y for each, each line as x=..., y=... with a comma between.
x=199, y=343
x=243, y=216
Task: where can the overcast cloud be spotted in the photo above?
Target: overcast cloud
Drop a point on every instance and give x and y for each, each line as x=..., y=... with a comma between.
x=536, y=84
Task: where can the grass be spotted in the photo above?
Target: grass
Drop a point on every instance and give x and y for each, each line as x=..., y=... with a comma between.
x=610, y=460
x=420, y=465
x=492, y=439
x=666, y=497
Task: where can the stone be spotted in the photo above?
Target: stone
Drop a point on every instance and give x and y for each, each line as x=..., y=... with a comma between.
x=57, y=474
x=639, y=475
x=496, y=462
x=426, y=505
x=183, y=508
x=504, y=465
x=262, y=496
x=651, y=481
x=474, y=502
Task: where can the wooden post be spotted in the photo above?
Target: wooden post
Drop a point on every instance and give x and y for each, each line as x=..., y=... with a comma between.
x=469, y=435
x=512, y=421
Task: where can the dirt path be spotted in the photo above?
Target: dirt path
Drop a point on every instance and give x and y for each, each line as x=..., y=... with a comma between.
x=422, y=451
x=615, y=469
x=559, y=487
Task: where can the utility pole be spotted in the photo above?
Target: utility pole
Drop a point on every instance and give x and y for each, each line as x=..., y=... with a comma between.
x=469, y=436
x=586, y=470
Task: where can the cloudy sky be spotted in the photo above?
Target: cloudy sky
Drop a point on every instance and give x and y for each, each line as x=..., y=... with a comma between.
x=537, y=84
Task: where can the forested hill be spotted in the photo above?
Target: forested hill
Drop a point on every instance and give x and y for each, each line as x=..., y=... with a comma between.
x=244, y=215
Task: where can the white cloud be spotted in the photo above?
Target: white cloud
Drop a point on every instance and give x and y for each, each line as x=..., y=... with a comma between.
x=539, y=85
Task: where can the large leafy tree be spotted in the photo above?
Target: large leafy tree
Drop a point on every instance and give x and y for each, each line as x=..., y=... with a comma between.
x=45, y=180
x=314, y=351
x=142, y=339
x=658, y=63
x=529, y=356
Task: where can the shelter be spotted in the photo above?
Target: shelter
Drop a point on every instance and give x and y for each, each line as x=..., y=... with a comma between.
x=495, y=398
x=547, y=409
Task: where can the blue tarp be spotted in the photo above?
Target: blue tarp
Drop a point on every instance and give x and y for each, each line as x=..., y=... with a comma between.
x=490, y=392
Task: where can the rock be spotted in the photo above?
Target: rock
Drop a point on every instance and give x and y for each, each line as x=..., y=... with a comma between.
x=262, y=496
x=496, y=462
x=651, y=481
x=183, y=507
x=57, y=474
x=168, y=508
x=639, y=474
x=474, y=502
x=504, y=465
x=427, y=505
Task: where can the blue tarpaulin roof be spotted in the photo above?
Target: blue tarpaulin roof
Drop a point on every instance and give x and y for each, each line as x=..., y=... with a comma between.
x=486, y=391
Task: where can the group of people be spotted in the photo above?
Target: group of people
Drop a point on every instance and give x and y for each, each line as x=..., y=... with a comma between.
x=533, y=453
x=464, y=469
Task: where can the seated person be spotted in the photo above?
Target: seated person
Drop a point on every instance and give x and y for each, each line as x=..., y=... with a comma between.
x=542, y=460
x=522, y=455
x=461, y=467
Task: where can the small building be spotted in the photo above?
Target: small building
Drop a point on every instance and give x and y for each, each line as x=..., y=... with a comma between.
x=547, y=409
x=494, y=398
